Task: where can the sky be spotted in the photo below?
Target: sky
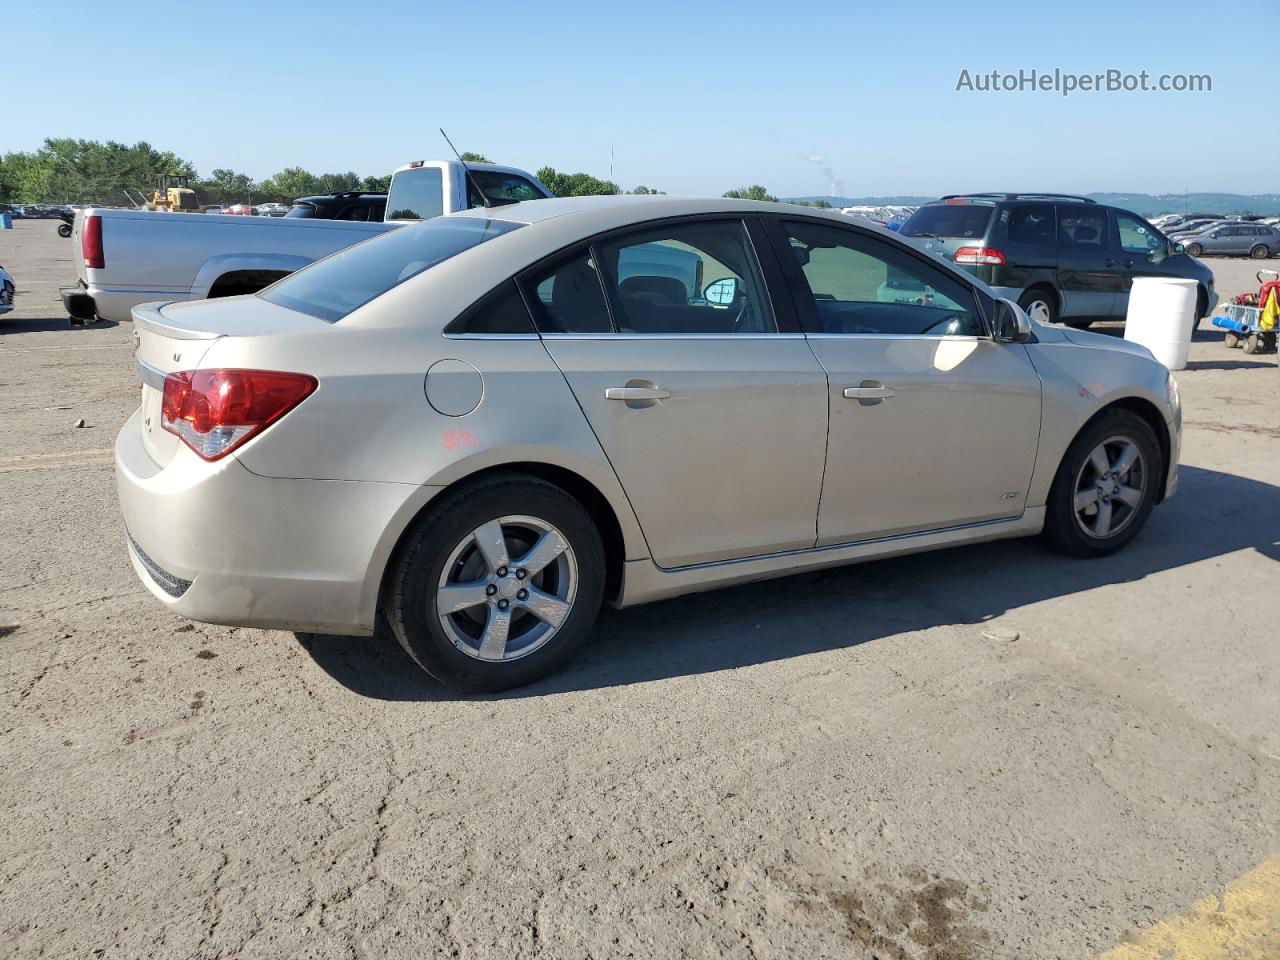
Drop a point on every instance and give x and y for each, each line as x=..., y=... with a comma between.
x=806, y=98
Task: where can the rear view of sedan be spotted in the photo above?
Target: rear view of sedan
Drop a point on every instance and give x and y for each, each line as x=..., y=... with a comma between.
x=486, y=425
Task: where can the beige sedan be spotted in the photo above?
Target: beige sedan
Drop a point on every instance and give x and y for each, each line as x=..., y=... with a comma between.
x=486, y=425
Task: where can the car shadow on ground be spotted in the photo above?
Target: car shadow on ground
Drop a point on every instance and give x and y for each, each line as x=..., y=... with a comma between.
x=9, y=324
x=1213, y=514
x=1228, y=364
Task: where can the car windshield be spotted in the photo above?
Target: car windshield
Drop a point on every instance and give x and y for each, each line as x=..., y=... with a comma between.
x=968, y=220
x=350, y=278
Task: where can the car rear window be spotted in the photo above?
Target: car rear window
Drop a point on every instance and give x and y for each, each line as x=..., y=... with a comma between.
x=416, y=194
x=968, y=220
x=301, y=210
x=335, y=286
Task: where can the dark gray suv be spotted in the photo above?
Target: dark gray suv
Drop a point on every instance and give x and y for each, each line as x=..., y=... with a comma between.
x=1061, y=257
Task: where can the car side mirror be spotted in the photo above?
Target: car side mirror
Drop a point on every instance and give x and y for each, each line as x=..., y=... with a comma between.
x=1011, y=323
x=721, y=292
x=1179, y=248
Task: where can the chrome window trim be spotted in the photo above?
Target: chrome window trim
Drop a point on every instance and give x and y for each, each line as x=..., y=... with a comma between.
x=153, y=377
x=673, y=336
x=490, y=336
x=963, y=338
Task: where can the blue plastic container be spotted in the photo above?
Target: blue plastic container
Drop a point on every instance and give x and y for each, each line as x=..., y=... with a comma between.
x=6, y=221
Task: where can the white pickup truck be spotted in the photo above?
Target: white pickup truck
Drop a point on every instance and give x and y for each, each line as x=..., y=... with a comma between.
x=128, y=257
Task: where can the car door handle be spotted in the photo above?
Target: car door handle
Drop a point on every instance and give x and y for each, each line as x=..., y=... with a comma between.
x=1109, y=262
x=636, y=393
x=869, y=392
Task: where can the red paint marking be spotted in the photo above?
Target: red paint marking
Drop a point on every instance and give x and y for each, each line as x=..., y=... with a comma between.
x=454, y=439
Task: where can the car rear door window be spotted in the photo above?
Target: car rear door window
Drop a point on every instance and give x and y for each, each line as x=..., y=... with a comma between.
x=696, y=277
x=501, y=312
x=1082, y=227
x=863, y=286
x=1031, y=223
x=567, y=297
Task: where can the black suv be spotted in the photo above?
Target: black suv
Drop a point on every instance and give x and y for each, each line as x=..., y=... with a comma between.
x=351, y=205
x=1060, y=257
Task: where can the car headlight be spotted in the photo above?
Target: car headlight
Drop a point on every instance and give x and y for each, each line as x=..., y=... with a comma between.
x=1171, y=391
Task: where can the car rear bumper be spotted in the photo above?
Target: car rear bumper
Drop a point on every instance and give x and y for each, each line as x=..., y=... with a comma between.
x=89, y=303
x=217, y=543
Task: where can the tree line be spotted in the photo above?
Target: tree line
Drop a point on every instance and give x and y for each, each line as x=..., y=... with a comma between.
x=69, y=170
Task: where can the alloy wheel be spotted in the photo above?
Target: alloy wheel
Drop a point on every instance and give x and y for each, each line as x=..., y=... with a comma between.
x=507, y=588
x=1110, y=487
x=1039, y=311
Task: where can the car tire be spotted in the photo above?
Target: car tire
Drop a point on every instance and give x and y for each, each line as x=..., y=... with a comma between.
x=443, y=553
x=64, y=230
x=1081, y=491
x=1193, y=250
x=1040, y=304
x=1260, y=252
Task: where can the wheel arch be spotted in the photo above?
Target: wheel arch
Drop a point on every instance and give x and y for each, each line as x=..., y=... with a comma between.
x=577, y=486
x=233, y=283
x=1150, y=413
x=1048, y=287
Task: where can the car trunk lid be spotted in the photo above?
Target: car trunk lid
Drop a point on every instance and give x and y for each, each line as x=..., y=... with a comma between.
x=169, y=337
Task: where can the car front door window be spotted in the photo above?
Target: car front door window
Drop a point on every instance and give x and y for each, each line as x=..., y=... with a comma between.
x=1138, y=238
x=863, y=286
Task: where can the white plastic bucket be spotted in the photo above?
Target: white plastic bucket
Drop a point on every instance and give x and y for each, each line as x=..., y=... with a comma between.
x=1162, y=314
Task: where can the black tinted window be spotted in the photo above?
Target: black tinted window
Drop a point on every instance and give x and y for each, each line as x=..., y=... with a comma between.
x=568, y=298
x=333, y=287
x=865, y=286
x=1082, y=227
x=500, y=311
x=301, y=210
x=1031, y=223
x=949, y=220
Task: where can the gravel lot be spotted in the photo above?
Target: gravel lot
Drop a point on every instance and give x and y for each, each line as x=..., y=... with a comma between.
x=853, y=764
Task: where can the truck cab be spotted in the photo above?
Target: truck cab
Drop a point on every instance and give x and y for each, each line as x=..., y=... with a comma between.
x=428, y=188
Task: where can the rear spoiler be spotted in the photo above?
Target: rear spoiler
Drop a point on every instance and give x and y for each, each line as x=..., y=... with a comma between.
x=149, y=317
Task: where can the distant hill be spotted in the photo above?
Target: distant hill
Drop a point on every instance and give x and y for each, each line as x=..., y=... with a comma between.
x=1146, y=204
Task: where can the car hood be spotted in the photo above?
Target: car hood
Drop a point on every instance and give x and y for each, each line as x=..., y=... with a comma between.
x=1101, y=341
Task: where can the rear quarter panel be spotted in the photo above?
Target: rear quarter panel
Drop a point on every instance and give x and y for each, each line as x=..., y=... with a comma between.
x=370, y=419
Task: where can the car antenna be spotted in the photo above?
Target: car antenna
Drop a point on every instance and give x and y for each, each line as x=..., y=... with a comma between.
x=470, y=179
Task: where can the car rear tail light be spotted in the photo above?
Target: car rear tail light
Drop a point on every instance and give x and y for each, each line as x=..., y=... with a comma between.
x=986, y=255
x=91, y=243
x=215, y=411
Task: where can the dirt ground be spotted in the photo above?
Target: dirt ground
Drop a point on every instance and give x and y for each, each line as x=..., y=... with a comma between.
x=858, y=763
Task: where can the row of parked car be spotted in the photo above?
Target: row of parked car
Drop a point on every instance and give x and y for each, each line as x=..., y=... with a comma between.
x=1257, y=237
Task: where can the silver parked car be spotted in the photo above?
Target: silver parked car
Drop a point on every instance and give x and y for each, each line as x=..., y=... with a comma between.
x=1257, y=240
x=487, y=424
